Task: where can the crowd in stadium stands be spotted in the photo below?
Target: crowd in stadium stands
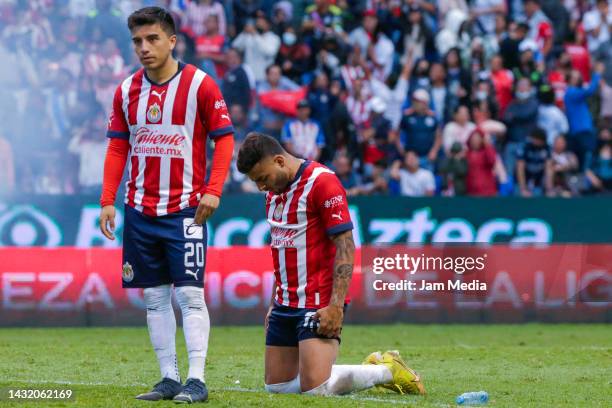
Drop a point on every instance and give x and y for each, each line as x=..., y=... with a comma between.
x=400, y=97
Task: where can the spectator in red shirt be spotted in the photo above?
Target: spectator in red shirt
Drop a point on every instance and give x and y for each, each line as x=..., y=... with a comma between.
x=481, y=158
x=540, y=27
x=210, y=48
x=503, y=81
x=579, y=54
x=557, y=77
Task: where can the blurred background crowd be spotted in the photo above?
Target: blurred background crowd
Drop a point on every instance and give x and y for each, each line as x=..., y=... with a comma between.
x=399, y=97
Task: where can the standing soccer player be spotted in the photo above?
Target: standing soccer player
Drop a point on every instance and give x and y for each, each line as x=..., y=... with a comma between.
x=160, y=120
x=312, y=251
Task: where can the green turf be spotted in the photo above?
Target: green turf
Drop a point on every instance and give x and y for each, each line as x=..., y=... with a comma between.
x=519, y=365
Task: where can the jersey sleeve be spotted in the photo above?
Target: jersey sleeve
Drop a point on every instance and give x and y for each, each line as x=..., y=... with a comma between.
x=117, y=125
x=329, y=199
x=213, y=110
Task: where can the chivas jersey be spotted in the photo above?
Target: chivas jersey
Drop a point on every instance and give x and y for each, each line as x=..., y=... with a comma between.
x=302, y=219
x=167, y=126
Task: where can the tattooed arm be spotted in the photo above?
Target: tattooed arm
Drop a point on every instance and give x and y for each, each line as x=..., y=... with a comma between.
x=331, y=316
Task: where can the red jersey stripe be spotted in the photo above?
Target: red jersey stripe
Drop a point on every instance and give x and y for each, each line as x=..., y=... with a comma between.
x=198, y=160
x=176, y=183
x=277, y=277
x=131, y=186
x=292, y=275
x=151, y=185
x=133, y=97
x=180, y=101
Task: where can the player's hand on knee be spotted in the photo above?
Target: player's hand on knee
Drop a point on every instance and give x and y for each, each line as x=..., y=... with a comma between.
x=107, y=221
x=330, y=320
x=208, y=205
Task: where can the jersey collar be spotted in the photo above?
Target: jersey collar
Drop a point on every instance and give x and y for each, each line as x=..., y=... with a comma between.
x=180, y=68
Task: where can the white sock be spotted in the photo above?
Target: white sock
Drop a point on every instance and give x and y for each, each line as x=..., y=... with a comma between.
x=196, y=326
x=289, y=387
x=162, y=329
x=349, y=378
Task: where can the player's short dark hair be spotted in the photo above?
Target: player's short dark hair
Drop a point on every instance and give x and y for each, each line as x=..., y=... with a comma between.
x=256, y=146
x=152, y=15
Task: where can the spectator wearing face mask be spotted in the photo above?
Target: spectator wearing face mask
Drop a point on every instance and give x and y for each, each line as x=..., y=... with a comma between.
x=484, y=94
x=293, y=56
x=520, y=118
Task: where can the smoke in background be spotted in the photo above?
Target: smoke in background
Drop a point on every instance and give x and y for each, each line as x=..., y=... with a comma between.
x=61, y=64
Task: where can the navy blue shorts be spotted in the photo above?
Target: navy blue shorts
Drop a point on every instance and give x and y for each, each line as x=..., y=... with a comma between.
x=287, y=326
x=162, y=250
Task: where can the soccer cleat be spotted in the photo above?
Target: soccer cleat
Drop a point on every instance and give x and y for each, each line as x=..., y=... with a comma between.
x=374, y=358
x=193, y=391
x=405, y=379
x=166, y=389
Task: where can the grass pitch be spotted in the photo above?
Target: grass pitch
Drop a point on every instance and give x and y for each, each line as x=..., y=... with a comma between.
x=519, y=365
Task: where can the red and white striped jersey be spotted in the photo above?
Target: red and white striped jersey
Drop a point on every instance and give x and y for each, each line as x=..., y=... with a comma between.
x=302, y=219
x=167, y=125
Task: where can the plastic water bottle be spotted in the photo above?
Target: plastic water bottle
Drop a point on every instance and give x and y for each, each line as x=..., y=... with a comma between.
x=473, y=398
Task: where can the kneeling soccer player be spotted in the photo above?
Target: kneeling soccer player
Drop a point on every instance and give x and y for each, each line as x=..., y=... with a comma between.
x=313, y=250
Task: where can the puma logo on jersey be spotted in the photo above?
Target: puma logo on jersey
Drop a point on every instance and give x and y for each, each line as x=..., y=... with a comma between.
x=338, y=216
x=194, y=274
x=225, y=116
x=158, y=94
